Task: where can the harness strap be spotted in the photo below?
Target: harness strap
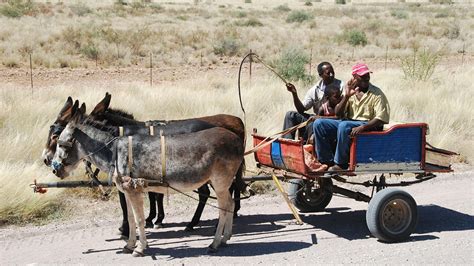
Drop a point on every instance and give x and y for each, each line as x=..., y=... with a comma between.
x=163, y=155
x=152, y=130
x=130, y=154
x=120, y=131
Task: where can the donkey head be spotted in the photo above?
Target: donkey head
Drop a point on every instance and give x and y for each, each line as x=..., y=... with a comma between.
x=67, y=155
x=56, y=128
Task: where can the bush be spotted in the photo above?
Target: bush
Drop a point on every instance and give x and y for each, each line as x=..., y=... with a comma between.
x=341, y=2
x=251, y=22
x=18, y=8
x=298, y=16
x=90, y=51
x=400, y=14
x=292, y=65
x=420, y=66
x=11, y=62
x=228, y=46
x=453, y=31
x=308, y=3
x=283, y=8
x=355, y=37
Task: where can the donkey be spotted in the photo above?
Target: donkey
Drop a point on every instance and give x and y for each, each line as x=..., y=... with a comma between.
x=102, y=112
x=187, y=162
x=108, y=116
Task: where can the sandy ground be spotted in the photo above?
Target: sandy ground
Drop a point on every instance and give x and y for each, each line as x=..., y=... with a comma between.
x=264, y=233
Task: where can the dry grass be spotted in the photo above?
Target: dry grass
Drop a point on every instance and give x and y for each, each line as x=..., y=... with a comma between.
x=178, y=33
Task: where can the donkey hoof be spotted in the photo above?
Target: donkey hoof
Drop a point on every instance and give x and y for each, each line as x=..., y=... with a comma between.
x=189, y=229
x=148, y=224
x=127, y=250
x=158, y=225
x=137, y=253
x=211, y=250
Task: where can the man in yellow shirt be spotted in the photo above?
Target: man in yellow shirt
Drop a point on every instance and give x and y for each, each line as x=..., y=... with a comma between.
x=363, y=107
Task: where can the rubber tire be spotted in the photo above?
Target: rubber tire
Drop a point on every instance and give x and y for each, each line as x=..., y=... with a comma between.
x=374, y=215
x=299, y=197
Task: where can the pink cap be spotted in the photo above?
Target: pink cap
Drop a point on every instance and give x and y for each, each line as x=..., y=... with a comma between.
x=360, y=69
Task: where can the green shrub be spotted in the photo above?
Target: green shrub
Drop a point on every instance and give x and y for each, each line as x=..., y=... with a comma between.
x=228, y=46
x=308, y=3
x=248, y=1
x=283, y=8
x=420, y=66
x=251, y=22
x=400, y=14
x=298, y=16
x=90, y=51
x=341, y=2
x=292, y=65
x=355, y=37
x=18, y=8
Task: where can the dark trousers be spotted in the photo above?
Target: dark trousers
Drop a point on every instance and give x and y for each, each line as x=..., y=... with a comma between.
x=293, y=118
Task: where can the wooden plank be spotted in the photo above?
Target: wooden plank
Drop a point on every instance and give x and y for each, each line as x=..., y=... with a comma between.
x=436, y=157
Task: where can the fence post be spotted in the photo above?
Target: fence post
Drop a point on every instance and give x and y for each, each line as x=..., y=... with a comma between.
x=31, y=75
x=151, y=69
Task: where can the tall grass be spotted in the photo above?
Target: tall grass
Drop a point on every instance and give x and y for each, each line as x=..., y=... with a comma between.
x=24, y=119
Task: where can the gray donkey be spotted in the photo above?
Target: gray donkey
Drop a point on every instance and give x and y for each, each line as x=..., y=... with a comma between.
x=180, y=162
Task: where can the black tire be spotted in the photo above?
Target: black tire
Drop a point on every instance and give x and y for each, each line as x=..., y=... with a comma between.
x=392, y=215
x=308, y=199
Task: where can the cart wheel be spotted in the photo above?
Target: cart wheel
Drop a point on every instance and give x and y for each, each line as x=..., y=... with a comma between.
x=307, y=198
x=392, y=215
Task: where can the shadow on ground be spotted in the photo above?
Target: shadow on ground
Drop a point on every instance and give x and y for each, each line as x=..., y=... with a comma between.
x=342, y=222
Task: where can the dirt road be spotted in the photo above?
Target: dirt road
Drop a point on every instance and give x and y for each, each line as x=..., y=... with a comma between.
x=264, y=233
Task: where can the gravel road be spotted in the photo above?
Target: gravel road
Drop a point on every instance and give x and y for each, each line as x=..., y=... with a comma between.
x=264, y=233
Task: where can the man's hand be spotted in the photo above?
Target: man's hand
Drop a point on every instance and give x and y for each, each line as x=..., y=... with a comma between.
x=357, y=130
x=291, y=88
x=351, y=87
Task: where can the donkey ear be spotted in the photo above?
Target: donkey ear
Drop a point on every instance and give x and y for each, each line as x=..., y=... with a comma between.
x=82, y=110
x=78, y=113
x=67, y=105
x=68, y=110
x=103, y=105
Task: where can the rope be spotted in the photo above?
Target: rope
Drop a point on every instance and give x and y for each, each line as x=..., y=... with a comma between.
x=189, y=196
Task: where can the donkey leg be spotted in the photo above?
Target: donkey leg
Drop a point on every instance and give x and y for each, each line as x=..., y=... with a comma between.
x=161, y=211
x=229, y=219
x=226, y=208
x=124, y=228
x=204, y=193
x=132, y=237
x=236, y=192
x=152, y=214
x=138, y=211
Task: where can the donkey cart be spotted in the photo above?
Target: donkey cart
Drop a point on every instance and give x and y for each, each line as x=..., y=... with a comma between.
x=397, y=151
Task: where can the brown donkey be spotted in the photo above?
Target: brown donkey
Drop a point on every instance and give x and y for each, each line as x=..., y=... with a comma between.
x=182, y=162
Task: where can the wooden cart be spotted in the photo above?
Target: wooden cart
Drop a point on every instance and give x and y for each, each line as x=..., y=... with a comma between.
x=392, y=213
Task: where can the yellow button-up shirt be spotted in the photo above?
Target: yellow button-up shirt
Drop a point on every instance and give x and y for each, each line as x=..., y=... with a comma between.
x=372, y=105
